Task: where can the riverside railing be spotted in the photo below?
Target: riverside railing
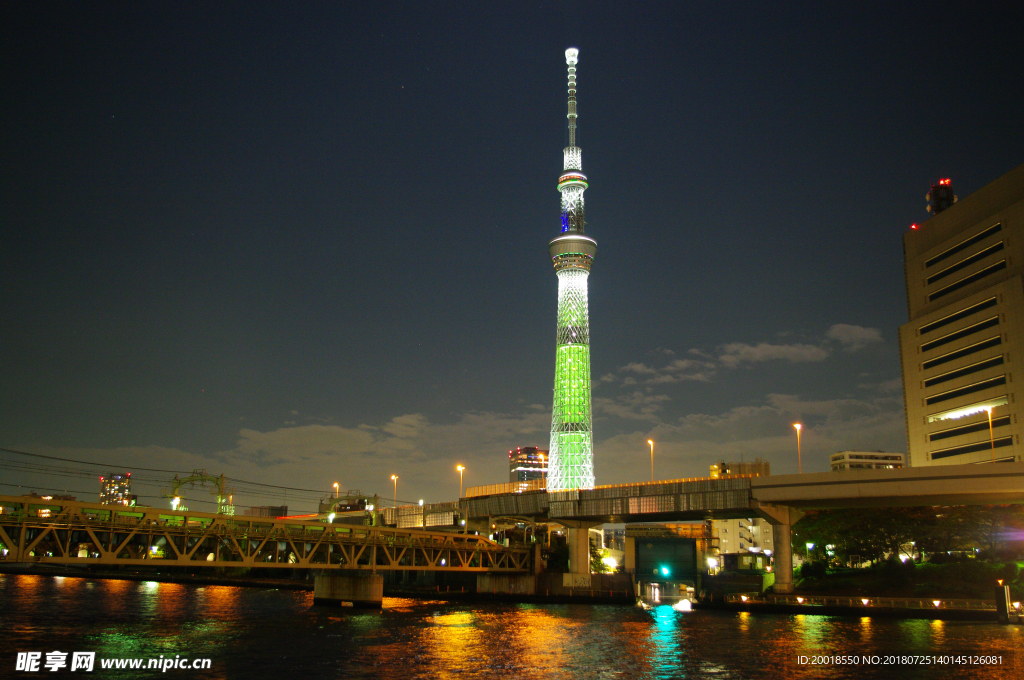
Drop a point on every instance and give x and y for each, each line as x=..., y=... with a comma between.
x=864, y=602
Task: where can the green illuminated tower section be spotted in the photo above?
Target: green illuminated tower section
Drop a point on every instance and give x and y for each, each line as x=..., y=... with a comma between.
x=571, y=458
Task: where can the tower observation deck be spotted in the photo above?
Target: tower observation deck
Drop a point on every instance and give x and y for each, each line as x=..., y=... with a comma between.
x=571, y=458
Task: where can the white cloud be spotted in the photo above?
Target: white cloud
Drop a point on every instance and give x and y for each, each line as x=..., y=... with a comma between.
x=634, y=406
x=407, y=426
x=736, y=353
x=853, y=338
x=641, y=369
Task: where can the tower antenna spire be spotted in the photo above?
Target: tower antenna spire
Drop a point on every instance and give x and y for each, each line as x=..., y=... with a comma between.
x=572, y=57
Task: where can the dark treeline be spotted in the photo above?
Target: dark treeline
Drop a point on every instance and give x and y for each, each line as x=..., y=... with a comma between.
x=927, y=533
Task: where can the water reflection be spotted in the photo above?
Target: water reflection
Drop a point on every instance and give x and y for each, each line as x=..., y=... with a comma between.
x=269, y=633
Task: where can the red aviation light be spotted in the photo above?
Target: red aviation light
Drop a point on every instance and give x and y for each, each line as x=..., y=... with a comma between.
x=913, y=226
x=943, y=181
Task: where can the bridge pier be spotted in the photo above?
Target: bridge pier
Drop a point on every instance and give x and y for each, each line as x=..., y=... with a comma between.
x=781, y=517
x=361, y=588
x=577, y=538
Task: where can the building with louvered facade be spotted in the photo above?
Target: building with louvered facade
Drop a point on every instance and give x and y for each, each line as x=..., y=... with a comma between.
x=965, y=299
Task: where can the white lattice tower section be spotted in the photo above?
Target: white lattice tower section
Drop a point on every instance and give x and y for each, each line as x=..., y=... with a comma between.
x=571, y=455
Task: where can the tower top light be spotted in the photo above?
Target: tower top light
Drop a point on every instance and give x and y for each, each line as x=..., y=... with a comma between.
x=572, y=56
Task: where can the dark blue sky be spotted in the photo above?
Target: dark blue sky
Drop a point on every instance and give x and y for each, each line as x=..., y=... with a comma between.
x=307, y=243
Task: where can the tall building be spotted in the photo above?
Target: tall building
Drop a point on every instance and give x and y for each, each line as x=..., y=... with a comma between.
x=526, y=463
x=965, y=300
x=116, y=489
x=572, y=442
x=759, y=468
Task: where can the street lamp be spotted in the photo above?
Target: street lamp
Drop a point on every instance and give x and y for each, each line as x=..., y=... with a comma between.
x=651, y=442
x=335, y=489
x=460, y=468
x=543, y=467
x=394, y=478
x=991, y=436
x=799, y=458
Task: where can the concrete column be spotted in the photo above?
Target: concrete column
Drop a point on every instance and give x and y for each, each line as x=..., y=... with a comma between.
x=360, y=588
x=782, y=518
x=783, y=558
x=578, y=540
x=630, y=559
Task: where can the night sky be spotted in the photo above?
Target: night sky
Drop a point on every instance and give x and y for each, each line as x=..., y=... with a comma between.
x=306, y=243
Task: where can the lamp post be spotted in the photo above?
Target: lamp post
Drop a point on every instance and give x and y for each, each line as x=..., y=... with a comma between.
x=335, y=489
x=460, y=468
x=651, y=442
x=394, y=478
x=543, y=467
x=799, y=457
x=991, y=435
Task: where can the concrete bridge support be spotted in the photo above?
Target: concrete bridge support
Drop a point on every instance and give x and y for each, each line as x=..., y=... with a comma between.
x=577, y=537
x=781, y=518
x=360, y=588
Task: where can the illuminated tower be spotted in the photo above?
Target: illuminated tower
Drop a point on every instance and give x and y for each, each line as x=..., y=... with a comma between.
x=571, y=458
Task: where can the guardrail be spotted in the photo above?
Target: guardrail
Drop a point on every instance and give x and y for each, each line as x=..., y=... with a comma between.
x=507, y=487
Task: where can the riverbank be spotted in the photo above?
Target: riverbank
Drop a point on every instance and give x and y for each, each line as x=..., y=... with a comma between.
x=966, y=579
x=765, y=607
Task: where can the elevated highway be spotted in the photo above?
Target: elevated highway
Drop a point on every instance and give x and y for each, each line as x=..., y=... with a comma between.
x=781, y=500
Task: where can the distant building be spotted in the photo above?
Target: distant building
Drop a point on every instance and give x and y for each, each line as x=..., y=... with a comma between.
x=615, y=537
x=743, y=535
x=866, y=460
x=116, y=489
x=753, y=535
x=964, y=271
x=526, y=463
x=760, y=468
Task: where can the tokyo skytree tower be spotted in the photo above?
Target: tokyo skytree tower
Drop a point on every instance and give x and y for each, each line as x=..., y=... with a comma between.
x=571, y=456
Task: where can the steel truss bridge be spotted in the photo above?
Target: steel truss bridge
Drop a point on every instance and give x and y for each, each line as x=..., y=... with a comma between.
x=37, y=530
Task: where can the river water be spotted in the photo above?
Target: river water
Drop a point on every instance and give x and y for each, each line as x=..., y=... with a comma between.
x=261, y=633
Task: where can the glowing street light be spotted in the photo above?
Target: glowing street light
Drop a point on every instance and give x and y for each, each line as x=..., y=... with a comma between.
x=394, y=478
x=799, y=457
x=543, y=467
x=460, y=468
x=991, y=436
x=335, y=489
x=651, y=442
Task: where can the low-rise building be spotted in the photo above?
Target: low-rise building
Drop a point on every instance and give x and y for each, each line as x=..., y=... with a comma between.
x=866, y=460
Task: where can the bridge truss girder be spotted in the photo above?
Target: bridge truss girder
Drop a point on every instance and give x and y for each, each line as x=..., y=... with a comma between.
x=154, y=537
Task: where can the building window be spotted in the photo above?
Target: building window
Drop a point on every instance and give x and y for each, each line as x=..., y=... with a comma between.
x=972, y=448
x=964, y=263
x=969, y=410
x=962, y=333
x=968, y=280
x=963, y=245
x=966, y=370
x=968, y=389
x=962, y=314
x=1002, y=421
x=966, y=351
